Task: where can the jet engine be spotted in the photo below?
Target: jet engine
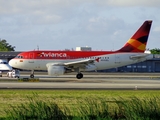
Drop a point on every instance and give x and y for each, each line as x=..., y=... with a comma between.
x=54, y=70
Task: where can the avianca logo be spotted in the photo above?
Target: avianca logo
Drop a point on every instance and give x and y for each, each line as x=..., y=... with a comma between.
x=50, y=54
x=97, y=59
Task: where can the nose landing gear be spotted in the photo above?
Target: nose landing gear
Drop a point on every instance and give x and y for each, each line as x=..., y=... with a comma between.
x=32, y=74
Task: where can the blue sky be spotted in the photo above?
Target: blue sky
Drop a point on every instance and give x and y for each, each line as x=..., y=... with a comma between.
x=67, y=24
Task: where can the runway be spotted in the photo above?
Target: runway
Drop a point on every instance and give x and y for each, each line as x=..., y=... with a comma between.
x=90, y=82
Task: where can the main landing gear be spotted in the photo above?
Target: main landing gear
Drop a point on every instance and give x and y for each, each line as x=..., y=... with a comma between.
x=32, y=74
x=79, y=75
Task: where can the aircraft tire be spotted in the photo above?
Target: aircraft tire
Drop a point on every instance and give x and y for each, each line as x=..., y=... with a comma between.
x=32, y=76
x=79, y=76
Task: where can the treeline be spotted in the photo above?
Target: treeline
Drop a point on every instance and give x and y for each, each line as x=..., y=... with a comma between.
x=4, y=46
x=155, y=51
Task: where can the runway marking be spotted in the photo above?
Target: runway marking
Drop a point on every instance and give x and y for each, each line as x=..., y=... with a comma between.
x=28, y=80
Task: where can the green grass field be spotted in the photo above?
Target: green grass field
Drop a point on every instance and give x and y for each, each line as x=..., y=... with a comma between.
x=72, y=98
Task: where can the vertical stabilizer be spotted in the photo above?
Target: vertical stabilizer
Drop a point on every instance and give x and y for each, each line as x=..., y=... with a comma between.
x=138, y=42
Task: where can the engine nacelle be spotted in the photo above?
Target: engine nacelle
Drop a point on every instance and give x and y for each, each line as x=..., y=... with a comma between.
x=54, y=70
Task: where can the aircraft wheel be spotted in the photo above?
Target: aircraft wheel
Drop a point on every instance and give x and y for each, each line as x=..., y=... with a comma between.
x=16, y=76
x=32, y=76
x=79, y=76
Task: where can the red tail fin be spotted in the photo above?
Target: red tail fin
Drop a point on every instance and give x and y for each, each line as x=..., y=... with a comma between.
x=138, y=42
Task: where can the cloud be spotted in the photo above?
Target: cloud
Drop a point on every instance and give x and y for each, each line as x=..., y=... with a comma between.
x=33, y=6
x=55, y=11
x=104, y=25
x=57, y=6
x=129, y=3
x=157, y=29
x=46, y=19
x=50, y=23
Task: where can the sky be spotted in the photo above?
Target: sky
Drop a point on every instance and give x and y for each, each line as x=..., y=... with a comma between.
x=67, y=24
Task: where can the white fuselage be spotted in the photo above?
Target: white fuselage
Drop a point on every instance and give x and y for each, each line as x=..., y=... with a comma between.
x=104, y=62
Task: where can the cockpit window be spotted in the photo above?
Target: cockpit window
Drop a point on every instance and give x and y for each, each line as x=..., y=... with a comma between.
x=3, y=62
x=19, y=56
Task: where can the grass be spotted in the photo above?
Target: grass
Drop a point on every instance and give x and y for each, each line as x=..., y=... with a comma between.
x=83, y=104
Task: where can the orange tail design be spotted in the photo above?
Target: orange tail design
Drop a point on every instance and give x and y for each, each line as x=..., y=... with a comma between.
x=138, y=42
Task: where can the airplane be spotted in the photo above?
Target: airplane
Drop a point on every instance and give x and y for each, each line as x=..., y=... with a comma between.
x=4, y=66
x=61, y=62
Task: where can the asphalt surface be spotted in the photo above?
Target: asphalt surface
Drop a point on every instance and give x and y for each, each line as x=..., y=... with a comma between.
x=96, y=81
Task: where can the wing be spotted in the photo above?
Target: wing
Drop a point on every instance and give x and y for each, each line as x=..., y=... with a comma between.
x=55, y=69
x=79, y=63
x=74, y=64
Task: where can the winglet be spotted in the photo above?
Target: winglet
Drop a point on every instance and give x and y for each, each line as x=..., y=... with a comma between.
x=138, y=42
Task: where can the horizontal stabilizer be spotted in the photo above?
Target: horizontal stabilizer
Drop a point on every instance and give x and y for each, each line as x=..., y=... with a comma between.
x=139, y=56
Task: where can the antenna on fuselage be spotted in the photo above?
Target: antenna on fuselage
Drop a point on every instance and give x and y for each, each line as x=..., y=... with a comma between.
x=37, y=47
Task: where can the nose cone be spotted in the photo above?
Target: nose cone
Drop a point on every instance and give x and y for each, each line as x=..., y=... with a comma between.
x=16, y=63
x=11, y=63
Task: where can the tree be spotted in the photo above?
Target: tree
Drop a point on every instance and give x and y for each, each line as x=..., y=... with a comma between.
x=4, y=46
x=155, y=51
